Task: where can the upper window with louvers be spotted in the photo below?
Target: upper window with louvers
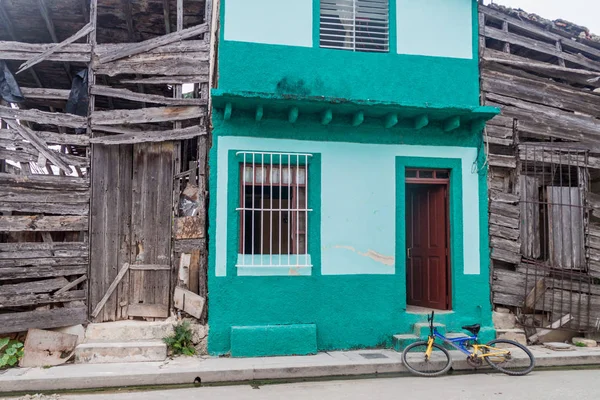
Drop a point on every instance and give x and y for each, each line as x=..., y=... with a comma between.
x=356, y=25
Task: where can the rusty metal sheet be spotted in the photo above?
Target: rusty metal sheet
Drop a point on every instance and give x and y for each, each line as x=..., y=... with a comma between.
x=189, y=228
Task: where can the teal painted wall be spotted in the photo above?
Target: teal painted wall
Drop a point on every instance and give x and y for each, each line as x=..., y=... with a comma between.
x=349, y=310
x=390, y=77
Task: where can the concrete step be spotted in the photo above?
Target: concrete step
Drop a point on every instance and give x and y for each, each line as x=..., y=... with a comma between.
x=401, y=341
x=120, y=352
x=123, y=331
x=421, y=329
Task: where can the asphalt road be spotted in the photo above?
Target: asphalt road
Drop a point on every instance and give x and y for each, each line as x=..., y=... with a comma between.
x=546, y=385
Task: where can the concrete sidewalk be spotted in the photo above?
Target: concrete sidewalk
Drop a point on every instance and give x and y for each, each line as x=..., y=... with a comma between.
x=183, y=371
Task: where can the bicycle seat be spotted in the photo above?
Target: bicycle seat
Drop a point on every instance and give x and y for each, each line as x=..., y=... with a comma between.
x=474, y=329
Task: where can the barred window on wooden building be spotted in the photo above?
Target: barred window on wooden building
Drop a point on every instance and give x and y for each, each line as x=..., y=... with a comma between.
x=553, y=186
x=273, y=210
x=356, y=25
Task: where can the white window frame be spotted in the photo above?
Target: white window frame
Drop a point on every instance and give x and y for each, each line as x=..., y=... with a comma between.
x=289, y=170
x=340, y=23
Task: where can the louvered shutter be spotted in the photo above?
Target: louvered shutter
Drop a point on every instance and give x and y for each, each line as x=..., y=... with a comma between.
x=357, y=25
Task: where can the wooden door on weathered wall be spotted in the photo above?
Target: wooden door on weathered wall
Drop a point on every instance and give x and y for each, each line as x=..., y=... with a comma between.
x=427, y=243
x=131, y=224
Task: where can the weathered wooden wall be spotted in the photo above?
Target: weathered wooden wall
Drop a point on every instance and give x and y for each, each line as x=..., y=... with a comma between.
x=546, y=83
x=117, y=170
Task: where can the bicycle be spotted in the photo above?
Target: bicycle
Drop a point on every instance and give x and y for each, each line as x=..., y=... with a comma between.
x=427, y=358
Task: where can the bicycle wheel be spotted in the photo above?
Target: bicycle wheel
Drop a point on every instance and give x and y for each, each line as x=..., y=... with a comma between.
x=415, y=360
x=518, y=361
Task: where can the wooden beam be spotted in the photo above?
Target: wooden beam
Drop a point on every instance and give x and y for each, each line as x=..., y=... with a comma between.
x=126, y=94
x=421, y=121
x=293, y=114
x=358, y=118
x=39, y=144
x=70, y=285
x=44, y=182
x=58, y=317
x=327, y=117
x=167, y=15
x=146, y=115
x=41, y=57
x=43, y=223
x=137, y=48
x=451, y=124
x=151, y=136
x=259, y=113
x=43, y=117
x=169, y=80
x=49, y=137
x=179, y=15
x=110, y=290
x=391, y=120
x=45, y=94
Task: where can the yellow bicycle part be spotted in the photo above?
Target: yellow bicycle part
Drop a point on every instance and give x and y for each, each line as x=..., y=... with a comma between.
x=495, y=353
x=429, y=348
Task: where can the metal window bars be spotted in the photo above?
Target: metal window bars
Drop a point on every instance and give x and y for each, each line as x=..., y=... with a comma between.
x=273, y=210
x=357, y=25
x=553, y=186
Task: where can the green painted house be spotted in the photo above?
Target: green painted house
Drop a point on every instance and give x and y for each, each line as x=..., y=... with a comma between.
x=347, y=174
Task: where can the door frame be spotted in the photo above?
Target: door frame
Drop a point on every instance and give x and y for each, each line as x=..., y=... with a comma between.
x=455, y=214
x=445, y=182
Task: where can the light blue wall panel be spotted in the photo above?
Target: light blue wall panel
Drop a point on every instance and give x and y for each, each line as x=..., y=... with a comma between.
x=439, y=28
x=358, y=201
x=285, y=22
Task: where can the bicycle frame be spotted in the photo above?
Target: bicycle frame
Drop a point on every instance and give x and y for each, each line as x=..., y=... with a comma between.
x=460, y=343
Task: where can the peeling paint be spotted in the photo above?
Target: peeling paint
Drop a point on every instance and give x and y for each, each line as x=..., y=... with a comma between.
x=373, y=255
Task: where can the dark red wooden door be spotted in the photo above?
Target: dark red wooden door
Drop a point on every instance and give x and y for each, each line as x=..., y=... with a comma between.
x=427, y=243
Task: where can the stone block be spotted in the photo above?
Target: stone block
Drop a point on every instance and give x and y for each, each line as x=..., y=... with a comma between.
x=122, y=331
x=504, y=320
x=77, y=330
x=583, y=342
x=517, y=335
x=124, y=352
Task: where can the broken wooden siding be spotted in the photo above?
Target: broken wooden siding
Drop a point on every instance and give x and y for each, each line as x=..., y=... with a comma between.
x=112, y=168
x=543, y=168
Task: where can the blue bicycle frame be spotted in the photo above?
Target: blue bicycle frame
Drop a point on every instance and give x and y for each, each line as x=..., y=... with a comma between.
x=458, y=343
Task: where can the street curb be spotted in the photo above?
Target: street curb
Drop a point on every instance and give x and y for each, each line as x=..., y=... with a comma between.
x=228, y=370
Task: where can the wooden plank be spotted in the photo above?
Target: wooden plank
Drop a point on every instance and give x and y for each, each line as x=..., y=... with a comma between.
x=150, y=136
x=110, y=290
x=508, y=245
x=539, y=46
x=136, y=48
x=56, y=57
x=118, y=93
x=46, y=208
x=71, y=285
x=504, y=232
x=41, y=57
x=535, y=294
x=56, y=246
x=503, y=197
x=44, y=286
x=20, y=194
x=496, y=160
x=34, y=48
x=184, y=269
x=43, y=117
x=39, y=144
x=45, y=181
x=146, y=115
x=194, y=275
x=46, y=319
x=149, y=267
x=527, y=26
x=546, y=92
x=45, y=93
x=41, y=271
x=189, y=302
x=502, y=220
x=530, y=216
x=506, y=256
x=10, y=301
x=188, y=245
x=565, y=319
x=175, y=64
x=148, y=310
x=507, y=210
x=168, y=80
x=565, y=227
x=49, y=137
x=189, y=228
x=43, y=223
x=54, y=261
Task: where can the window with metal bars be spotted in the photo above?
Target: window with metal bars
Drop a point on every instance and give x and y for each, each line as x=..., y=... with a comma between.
x=357, y=25
x=273, y=210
